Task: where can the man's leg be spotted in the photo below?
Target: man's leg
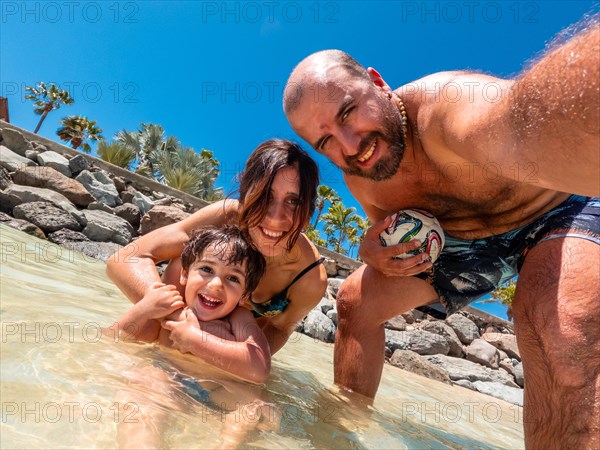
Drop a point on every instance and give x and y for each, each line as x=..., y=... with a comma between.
x=365, y=301
x=557, y=323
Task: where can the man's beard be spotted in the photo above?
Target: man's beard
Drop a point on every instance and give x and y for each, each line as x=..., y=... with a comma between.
x=388, y=165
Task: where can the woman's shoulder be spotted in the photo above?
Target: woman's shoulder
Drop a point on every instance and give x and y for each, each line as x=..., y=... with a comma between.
x=315, y=279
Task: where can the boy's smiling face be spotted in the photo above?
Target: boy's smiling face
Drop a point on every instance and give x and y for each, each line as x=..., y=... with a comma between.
x=213, y=287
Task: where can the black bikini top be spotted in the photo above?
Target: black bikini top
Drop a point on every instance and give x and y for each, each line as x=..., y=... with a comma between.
x=277, y=304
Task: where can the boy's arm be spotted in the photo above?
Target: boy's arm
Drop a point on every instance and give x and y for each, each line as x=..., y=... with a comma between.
x=247, y=356
x=140, y=322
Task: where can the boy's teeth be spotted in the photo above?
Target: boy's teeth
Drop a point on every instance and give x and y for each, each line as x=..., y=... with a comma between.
x=369, y=152
x=210, y=301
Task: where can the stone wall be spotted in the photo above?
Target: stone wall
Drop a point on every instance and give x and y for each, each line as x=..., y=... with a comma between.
x=86, y=204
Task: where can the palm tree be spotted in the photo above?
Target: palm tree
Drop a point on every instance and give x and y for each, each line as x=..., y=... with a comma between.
x=339, y=219
x=314, y=235
x=324, y=194
x=78, y=130
x=356, y=235
x=149, y=144
x=115, y=153
x=188, y=171
x=47, y=99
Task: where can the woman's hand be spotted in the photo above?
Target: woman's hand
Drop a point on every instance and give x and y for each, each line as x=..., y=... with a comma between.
x=382, y=258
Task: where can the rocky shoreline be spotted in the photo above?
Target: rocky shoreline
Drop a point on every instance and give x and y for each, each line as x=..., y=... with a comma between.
x=85, y=204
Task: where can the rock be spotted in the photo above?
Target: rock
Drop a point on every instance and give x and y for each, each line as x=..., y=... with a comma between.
x=101, y=207
x=481, y=352
x=100, y=186
x=12, y=161
x=144, y=203
x=96, y=250
x=128, y=194
x=165, y=201
x=504, y=342
x=56, y=161
x=61, y=237
x=22, y=225
x=419, y=341
x=412, y=362
x=5, y=180
x=17, y=194
x=15, y=141
x=519, y=375
x=319, y=326
x=330, y=267
x=102, y=226
x=465, y=329
x=396, y=323
x=78, y=164
x=120, y=183
x=443, y=329
x=408, y=317
x=325, y=305
x=465, y=384
x=333, y=315
x=461, y=369
x=46, y=216
x=160, y=216
x=38, y=147
x=32, y=155
x=49, y=178
x=130, y=213
x=508, y=394
x=344, y=273
x=333, y=285
x=506, y=364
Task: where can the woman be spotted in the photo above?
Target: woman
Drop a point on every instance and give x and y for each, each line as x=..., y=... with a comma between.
x=277, y=199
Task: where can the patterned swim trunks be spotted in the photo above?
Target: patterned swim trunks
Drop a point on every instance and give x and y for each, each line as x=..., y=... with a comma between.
x=468, y=269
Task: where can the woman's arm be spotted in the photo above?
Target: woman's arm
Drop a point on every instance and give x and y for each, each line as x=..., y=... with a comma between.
x=133, y=268
x=246, y=356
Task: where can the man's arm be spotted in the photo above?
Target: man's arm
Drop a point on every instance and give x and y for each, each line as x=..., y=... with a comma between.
x=542, y=128
x=133, y=268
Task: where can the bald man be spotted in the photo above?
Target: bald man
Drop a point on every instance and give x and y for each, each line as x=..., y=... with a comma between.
x=510, y=169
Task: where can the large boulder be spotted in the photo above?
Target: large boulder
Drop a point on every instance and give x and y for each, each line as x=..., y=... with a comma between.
x=5, y=179
x=443, y=329
x=144, y=203
x=46, y=216
x=507, y=393
x=11, y=161
x=104, y=227
x=319, y=326
x=100, y=186
x=15, y=141
x=64, y=236
x=519, y=375
x=397, y=323
x=49, y=178
x=130, y=213
x=419, y=341
x=56, y=161
x=465, y=329
x=16, y=194
x=77, y=164
x=21, y=225
x=412, y=362
x=461, y=369
x=160, y=216
x=504, y=342
x=333, y=285
x=96, y=250
x=481, y=352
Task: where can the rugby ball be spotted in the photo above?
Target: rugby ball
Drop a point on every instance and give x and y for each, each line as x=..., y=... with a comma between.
x=410, y=224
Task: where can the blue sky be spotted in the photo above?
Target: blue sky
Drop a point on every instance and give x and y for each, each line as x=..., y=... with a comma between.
x=212, y=73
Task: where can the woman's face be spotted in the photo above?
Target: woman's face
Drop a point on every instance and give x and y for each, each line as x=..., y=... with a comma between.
x=283, y=201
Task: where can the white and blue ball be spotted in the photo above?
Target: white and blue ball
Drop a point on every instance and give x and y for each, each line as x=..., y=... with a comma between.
x=410, y=224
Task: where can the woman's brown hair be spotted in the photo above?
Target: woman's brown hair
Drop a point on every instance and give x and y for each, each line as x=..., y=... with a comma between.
x=255, y=184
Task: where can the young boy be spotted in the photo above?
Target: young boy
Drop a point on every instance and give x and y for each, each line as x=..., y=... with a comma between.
x=218, y=268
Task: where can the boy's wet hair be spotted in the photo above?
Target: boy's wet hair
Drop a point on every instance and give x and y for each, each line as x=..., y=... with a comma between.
x=232, y=248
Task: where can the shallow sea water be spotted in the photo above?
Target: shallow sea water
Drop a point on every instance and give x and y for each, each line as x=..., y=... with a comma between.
x=61, y=381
